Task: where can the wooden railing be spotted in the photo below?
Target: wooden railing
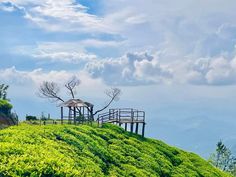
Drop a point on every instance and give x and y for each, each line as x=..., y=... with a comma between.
x=108, y=117
x=126, y=116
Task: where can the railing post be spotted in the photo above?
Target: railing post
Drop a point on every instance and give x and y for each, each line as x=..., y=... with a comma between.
x=74, y=115
x=132, y=121
x=119, y=115
x=143, y=130
x=131, y=127
x=143, y=116
x=132, y=115
x=61, y=115
x=136, y=128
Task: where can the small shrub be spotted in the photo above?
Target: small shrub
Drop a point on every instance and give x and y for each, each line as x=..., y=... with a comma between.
x=31, y=118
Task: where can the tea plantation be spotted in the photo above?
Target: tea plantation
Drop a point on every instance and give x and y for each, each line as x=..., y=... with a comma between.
x=68, y=150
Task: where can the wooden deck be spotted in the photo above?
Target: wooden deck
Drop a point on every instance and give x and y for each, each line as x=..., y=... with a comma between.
x=124, y=116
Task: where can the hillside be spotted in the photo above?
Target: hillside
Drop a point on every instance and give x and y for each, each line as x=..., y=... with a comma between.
x=67, y=150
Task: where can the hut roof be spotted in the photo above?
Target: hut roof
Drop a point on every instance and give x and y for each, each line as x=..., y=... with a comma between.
x=76, y=103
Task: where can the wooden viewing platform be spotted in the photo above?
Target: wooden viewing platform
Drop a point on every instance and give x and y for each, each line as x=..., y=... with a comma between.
x=80, y=112
x=124, y=117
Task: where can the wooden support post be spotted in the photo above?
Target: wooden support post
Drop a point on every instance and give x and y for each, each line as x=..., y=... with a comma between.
x=136, y=128
x=61, y=115
x=132, y=121
x=119, y=118
x=132, y=127
x=69, y=117
x=125, y=126
x=82, y=117
x=143, y=130
x=120, y=124
x=74, y=115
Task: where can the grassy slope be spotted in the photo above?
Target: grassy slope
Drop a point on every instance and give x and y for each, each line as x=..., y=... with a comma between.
x=56, y=150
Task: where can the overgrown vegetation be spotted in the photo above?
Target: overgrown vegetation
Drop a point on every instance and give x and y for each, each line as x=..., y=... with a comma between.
x=5, y=107
x=68, y=150
x=3, y=91
x=224, y=159
x=6, y=116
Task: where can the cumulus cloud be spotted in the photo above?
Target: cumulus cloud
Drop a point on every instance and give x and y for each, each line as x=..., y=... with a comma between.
x=143, y=68
x=34, y=77
x=26, y=83
x=136, y=69
x=131, y=69
x=205, y=71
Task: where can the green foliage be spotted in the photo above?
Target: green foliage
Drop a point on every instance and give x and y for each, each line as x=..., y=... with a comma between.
x=3, y=91
x=69, y=150
x=5, y=107
x=31, y=118
x=224, y=159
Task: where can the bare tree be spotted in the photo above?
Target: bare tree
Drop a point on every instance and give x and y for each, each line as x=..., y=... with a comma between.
x=71, y=85
x=51, y=90
x=114, y=95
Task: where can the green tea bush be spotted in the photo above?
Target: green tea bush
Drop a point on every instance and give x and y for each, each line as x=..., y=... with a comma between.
x=68, y=150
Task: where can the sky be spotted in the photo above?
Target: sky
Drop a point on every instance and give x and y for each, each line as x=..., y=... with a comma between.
x=176, y=60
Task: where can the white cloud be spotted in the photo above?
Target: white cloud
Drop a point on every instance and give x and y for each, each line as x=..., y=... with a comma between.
x=138, y=19
x=57, y=52
x=101, y=43
x=131, y=69
x=179, y=28
x=25, y=84
x=221, y=72
x=135, y=69
x=63, y=15
x=70, y=52
x=214, y=71
x=34, y=77
x=143, y=68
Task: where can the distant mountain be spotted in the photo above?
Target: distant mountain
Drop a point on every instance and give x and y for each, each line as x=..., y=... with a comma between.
x=69, y=150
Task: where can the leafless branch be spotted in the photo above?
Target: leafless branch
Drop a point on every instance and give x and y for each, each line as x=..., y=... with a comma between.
x=50, y=91
x=71, y=85
x=113, y=94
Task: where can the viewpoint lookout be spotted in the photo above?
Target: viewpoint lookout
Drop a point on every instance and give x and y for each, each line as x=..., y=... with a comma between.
x=80, y=112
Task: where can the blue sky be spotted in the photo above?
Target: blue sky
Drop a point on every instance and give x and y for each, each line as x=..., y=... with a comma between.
x=175, y=60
